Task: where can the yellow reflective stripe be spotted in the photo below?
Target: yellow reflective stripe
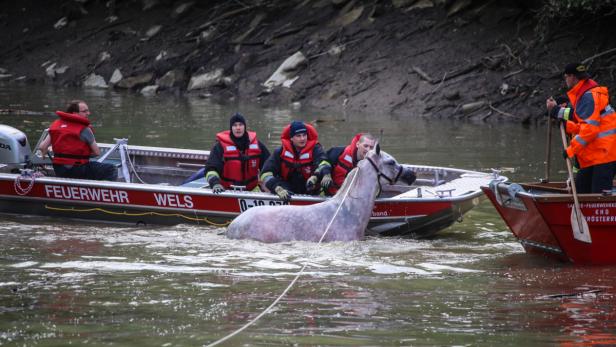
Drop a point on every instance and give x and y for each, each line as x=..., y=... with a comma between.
x=266, y=175
x=566, y=113
x=211, y=174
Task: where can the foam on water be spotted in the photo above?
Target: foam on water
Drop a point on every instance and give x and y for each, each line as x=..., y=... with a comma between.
x=6, y=284
x=446, y=267
x=120, y=266
x=394, y=269
x=24, y=264
x=197, y=250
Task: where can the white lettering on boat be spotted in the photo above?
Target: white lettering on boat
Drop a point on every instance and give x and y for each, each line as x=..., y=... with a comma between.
x=380, y=213
x=597, y=205
x=86, y=194
x=610, y=219
x=173, y=200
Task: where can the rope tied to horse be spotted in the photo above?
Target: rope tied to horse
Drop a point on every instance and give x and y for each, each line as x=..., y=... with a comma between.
x=299, y=273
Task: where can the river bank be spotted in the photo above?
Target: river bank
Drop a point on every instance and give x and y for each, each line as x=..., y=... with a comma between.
x=448, y=59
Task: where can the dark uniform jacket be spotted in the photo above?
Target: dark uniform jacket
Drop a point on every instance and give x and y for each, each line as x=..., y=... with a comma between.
x=216, y=163
x=296, y=181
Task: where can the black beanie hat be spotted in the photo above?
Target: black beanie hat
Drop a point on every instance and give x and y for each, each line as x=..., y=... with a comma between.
x=578, y=69
x=237, y=118
x=297, y=127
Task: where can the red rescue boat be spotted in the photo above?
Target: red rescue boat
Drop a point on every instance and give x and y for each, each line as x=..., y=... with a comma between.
x=150, y=190
x=539, y=215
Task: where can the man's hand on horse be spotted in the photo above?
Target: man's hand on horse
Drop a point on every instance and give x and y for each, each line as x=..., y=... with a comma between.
x=311, y=183
x=284, y=194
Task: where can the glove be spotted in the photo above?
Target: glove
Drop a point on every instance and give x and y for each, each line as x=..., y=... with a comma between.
x=282, y=193
x=565, y=155
x=311, y=183
x=218, y=188
x=326, y=181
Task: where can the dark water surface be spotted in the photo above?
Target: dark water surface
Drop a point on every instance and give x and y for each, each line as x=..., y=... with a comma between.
x=67, y=283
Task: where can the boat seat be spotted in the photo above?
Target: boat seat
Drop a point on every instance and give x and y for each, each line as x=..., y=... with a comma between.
x=455, y=188
x=198, y=183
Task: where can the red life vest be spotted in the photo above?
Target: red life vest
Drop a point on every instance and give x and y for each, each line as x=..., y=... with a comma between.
x=241, y=169
x=346, y=162
x=301, y=163
x=68, y=148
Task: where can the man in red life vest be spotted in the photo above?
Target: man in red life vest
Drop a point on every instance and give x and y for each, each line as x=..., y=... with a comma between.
x=592, y=121
x=73, y=144
x=236, y=158
x=345, y=159
x=295, y=167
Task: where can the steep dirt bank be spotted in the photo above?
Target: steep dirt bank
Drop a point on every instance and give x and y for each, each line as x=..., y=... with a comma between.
x=440, y=58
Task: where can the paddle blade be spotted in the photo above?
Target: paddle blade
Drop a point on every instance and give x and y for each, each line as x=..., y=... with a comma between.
x=579, y=225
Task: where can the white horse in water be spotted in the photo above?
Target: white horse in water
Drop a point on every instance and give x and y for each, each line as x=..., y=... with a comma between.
x=308, y=223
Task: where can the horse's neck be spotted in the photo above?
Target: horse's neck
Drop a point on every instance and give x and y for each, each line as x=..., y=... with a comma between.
x=359, y=187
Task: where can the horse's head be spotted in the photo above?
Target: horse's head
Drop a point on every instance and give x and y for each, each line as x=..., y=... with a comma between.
x=388, y=169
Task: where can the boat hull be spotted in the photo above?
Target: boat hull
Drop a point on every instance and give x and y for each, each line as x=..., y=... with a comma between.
x=147, y=204
x=540, y=218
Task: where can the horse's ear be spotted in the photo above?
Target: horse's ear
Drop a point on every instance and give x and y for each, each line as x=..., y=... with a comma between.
x=378, y=149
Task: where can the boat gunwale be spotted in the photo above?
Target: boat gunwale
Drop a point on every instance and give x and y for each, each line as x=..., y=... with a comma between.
x=240, y=194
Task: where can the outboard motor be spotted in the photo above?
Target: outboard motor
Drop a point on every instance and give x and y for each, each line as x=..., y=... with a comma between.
x=14, y=147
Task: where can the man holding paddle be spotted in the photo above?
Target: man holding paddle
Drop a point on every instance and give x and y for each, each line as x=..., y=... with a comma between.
x=592, y=121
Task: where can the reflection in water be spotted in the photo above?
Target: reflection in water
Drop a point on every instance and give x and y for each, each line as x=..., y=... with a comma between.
x=84, y=284
x=192, y=122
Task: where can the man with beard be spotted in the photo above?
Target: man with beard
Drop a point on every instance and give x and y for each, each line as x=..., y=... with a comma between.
x=236, y=158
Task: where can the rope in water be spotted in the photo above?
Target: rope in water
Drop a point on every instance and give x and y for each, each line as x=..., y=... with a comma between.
x=299, y=273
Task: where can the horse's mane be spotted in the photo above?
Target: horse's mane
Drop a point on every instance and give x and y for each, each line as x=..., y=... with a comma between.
x=347, y=183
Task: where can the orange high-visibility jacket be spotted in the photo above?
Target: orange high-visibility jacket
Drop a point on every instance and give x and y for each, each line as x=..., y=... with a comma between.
x=595, y=135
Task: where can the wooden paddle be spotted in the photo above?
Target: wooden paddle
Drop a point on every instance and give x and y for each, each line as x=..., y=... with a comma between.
x=548, y=148
x=578, y=222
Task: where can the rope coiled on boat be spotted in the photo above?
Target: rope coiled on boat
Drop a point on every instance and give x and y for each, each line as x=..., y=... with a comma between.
x=32, y=175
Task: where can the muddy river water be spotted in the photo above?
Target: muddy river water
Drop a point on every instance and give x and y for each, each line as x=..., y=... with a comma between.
x=70, y=283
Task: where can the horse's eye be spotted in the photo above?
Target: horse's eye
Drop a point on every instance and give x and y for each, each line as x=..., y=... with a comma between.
x=390, y=162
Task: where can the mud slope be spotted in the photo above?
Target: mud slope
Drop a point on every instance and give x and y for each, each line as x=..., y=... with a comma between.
x=481, y=60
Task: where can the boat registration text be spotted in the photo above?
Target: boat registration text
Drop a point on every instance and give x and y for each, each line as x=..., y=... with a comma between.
x=248, y=203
